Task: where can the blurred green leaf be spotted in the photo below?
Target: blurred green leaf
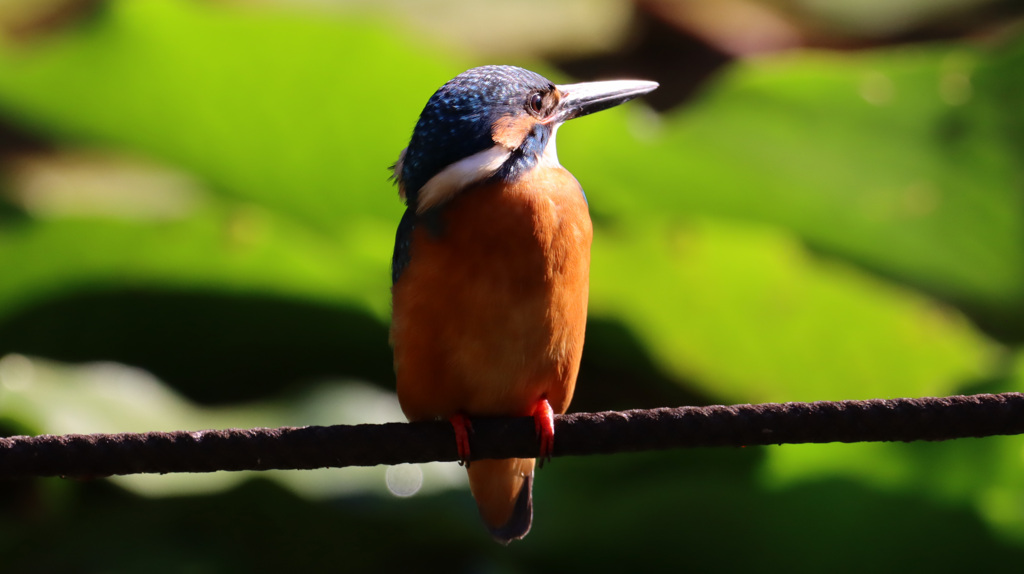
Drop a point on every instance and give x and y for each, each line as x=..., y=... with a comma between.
x=265, y=106
x=236, y=250
x=904, y=160
x=749, y=315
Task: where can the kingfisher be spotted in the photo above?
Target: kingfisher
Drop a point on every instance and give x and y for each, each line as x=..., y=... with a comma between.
x=491, y=267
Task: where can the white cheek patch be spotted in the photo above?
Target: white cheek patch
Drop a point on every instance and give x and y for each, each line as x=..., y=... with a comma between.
x=462, y=174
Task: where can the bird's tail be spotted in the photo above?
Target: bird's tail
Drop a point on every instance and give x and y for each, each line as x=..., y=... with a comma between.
x=503, y=492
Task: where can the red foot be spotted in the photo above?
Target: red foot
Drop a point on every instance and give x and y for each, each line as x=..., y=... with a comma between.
x=462, y=426
x=544, y=423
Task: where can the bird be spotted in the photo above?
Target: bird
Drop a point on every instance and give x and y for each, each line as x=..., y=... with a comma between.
x=491, y=265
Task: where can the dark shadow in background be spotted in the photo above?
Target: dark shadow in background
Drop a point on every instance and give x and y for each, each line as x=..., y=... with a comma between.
x=219, y=348
x=214, y=348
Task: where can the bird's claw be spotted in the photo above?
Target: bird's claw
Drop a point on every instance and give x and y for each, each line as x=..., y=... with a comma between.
x=462, y=427
x=544, y=424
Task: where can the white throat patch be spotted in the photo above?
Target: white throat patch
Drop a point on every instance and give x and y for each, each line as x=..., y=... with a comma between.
x=550, y=156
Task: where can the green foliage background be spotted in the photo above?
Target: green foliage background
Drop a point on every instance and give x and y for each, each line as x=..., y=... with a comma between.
x=813, y=226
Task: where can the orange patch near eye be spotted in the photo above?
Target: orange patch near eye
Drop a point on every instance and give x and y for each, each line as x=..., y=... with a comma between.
x=510, y=131
x=557, y=95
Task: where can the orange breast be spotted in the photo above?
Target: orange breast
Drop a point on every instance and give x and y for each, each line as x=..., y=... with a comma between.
x=489, y=315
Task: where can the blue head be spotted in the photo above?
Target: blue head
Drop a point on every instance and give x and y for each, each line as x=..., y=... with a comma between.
x=494, y=122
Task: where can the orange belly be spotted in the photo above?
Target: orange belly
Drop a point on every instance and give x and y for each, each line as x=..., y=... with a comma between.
x=489, y=315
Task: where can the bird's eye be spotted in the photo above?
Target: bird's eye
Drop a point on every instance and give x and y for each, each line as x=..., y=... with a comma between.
x=536, y=103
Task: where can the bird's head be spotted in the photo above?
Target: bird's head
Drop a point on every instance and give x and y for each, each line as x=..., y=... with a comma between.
x=494, y=122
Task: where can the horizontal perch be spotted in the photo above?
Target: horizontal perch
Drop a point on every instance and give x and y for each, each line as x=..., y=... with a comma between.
x=97, y=455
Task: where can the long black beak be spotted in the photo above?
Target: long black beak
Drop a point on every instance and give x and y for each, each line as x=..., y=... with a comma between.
x=589, y=97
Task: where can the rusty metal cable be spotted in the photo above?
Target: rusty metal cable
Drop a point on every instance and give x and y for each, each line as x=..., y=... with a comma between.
x=98, y=455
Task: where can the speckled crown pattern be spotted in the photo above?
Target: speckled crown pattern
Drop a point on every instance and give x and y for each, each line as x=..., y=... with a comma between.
x=456, y=122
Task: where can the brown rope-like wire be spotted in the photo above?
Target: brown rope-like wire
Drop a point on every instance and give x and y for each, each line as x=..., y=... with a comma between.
x=577, y=434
